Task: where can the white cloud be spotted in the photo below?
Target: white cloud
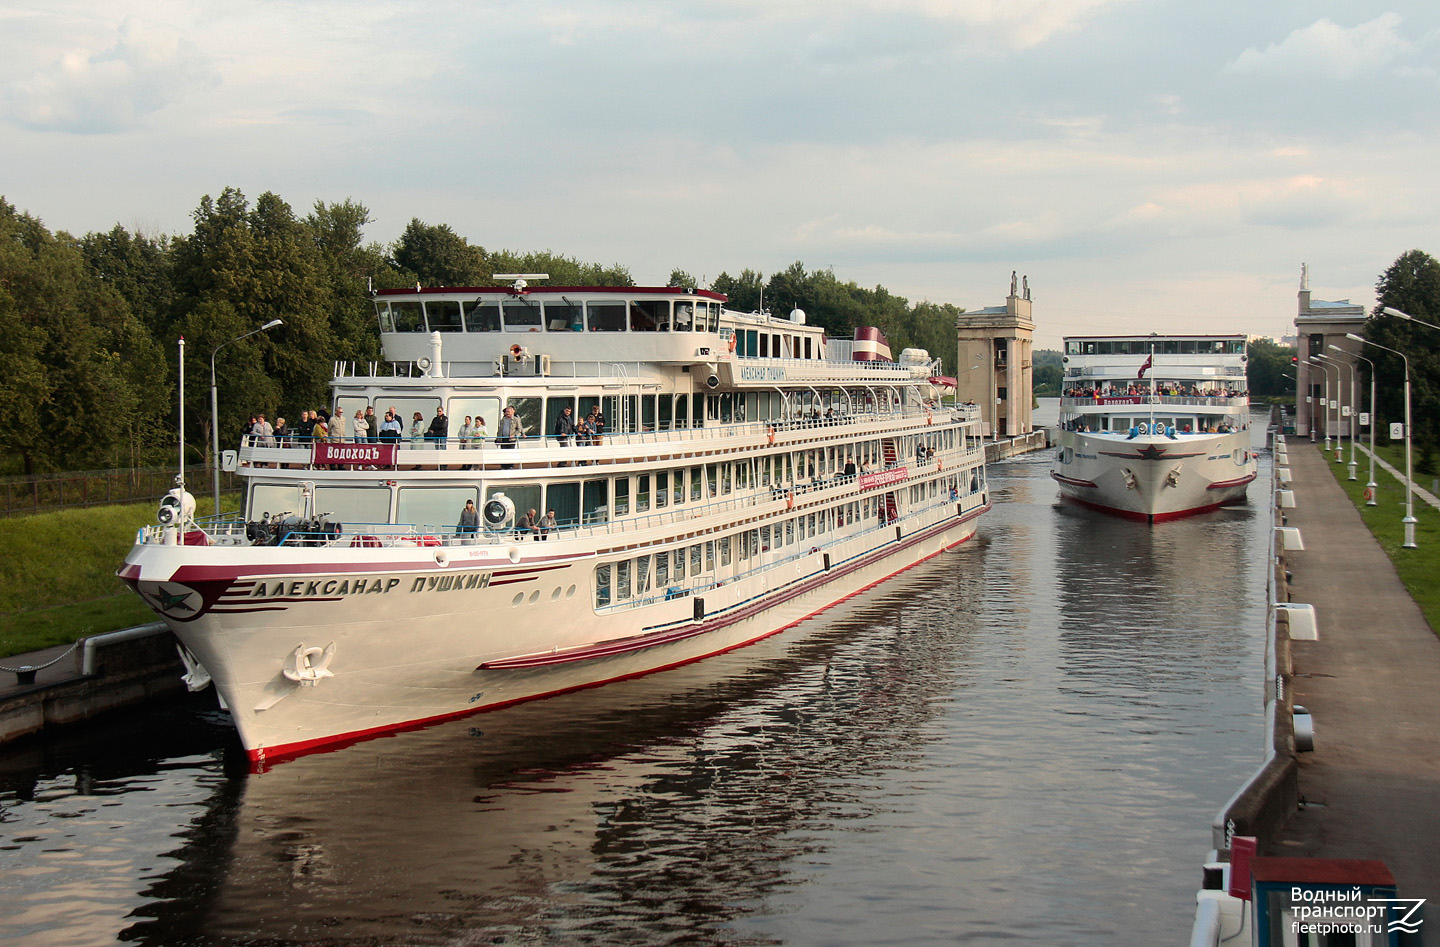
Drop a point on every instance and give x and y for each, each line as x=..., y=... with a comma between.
x=1323, y=48
x=113, y=89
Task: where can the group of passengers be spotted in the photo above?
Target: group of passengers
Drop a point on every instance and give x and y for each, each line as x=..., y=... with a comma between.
x=1136, y=389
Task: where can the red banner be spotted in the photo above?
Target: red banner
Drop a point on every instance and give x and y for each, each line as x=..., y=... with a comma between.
x=884, y=478
x=352, y=455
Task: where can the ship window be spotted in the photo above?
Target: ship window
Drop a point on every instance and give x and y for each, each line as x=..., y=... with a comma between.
x=278, y=500
x=387, y=320
x=602, y=586
x=521, y=315
x=682, y=411
x=622, y=580
x=764, y=345
x=642, y=574
x=605, y=317
x=564, y=499
x=527, y=410
x=564, y=316
x=405, y=409
x=597, y=501
x=525, y=496
x=725, y=551
x=677, y=568
x=487, y=408
x=710, y=555
x=358, y=505
x=662, y=569
x=482, y=317
x=622, y=496
x=665, y=416
x=712, y=480
x=695, y=556
x=684, y=316
x=553, y=409
x=642, y=493
x=349, y=404
x=650, y=315
x=647, y=412
x=697, y=487
x=662, y=490
x=429, y=506
x=408, y=316
x=443, y=315
x=678, y=492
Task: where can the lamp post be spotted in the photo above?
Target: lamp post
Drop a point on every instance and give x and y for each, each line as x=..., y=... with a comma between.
x=1407, y=317
x=1339, y=410
x=215, y=403
x=1369, y=487
x=1343, y=363
x=1409, y=519
x=1325, y=369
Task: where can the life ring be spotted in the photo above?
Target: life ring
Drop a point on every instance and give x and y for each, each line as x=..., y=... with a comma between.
x=939, y=465
x=732, y=343
x=790, y=500
x=929, y=418
x=770, y=434
x=1369, y=494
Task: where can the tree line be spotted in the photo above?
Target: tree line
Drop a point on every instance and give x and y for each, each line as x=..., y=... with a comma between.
x=89, y=325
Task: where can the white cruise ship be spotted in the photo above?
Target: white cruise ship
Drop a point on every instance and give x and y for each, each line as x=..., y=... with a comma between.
x=738, y=473
x=1154, y=427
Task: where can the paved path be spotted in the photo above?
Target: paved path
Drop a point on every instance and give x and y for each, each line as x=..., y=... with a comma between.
x=1423, y=494
x=1373, y=683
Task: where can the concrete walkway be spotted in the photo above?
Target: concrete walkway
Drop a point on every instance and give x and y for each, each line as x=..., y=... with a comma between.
x=1371, y=789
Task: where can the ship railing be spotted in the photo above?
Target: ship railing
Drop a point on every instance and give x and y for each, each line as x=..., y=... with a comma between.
x=488, y=453
x=806, y=548
x=1112, y=401
x=764, y=498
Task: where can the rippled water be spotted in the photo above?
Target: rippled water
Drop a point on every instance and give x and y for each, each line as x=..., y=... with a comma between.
x=1022, y=740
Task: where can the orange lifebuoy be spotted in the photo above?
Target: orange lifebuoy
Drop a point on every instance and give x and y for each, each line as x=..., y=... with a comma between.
x=732, y=343
x=1369, y=494
x=770, y=433
x=929, y=418
x=790, y=500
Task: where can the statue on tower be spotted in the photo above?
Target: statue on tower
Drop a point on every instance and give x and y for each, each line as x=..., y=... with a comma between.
x=1026, y=283
x=1012, y=282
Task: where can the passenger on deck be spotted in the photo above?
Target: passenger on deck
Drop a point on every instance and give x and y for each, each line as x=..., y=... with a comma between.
x=439, y=431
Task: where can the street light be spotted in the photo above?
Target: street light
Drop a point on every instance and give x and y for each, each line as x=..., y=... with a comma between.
x=1409, y=519
x=1369, y=487
x=1326, y=370
x=1407, y=317
x=1339, y=412
x=215, y=403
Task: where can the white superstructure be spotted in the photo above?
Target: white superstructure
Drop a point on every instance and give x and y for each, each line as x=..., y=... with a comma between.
x=1154, y=427
x=749, y=473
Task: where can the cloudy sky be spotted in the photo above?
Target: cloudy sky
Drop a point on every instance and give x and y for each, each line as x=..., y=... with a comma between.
x=1149, y=164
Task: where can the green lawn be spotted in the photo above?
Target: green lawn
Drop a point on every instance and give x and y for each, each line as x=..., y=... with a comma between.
x=57, y=574
x=1418, y=567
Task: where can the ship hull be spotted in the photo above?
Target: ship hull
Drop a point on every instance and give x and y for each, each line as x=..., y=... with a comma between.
x=309, y=651
x=1154, y=478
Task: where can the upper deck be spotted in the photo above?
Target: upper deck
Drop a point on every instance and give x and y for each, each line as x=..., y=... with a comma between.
x=1107, y=373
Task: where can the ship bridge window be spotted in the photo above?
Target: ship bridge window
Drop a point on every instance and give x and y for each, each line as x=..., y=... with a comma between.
x=521, y=314
x=356, y=506
x=443, y=315
x=482, y=317
x=650, y=315
x=409, y=317
x=432, y=507
x=387, y=320
x=564, y=316
x=685, y=316
x=605, y=317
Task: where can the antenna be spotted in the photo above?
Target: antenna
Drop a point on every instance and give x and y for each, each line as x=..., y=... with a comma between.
x=180, y=479
x=520, y=278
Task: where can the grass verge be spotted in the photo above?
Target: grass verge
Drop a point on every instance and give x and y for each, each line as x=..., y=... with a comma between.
x=1416, y=567
x=57, y=574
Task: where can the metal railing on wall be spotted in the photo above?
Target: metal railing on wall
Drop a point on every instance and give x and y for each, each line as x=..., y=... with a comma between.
x=73, y=489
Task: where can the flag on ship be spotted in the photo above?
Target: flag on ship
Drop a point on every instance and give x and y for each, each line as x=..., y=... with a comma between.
x=870, y=345
x=1146, y=367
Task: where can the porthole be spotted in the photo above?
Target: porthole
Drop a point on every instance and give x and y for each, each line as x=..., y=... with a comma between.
x=534, y=596
x=570, y=592
x=519, y=597
x=555, y=595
